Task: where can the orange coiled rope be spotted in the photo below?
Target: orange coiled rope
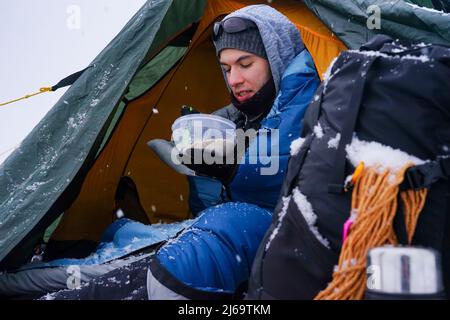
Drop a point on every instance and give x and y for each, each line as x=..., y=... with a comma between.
x=374, y=201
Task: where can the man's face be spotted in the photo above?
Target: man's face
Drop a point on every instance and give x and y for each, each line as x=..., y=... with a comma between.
x=246, y=73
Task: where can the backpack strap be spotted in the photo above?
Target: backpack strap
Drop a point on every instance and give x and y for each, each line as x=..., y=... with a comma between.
x=418, y=177
x=423, y=176
x=337, y=184
x=312, y=113
x=399, y=224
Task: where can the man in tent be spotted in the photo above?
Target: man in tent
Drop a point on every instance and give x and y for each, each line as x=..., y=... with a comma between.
x=271, y=78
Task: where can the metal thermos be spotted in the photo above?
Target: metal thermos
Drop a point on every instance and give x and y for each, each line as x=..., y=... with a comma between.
x=404, y=273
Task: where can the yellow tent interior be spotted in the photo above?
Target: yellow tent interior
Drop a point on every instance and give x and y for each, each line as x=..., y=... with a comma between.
x=197, y=81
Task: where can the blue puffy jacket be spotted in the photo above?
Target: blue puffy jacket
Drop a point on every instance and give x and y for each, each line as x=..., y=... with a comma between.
x=260, y=183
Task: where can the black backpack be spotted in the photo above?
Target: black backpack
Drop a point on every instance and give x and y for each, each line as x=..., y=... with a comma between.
x=390, y=92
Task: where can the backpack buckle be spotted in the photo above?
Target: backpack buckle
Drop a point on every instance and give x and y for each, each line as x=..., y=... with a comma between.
x=423, y=176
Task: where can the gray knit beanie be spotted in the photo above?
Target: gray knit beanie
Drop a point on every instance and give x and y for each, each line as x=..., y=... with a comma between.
x=248, y=40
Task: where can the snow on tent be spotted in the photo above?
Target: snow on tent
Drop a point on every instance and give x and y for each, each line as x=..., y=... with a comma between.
x=72, y=161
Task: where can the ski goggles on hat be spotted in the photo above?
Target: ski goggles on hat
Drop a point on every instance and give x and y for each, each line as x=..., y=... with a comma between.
x=231, y=25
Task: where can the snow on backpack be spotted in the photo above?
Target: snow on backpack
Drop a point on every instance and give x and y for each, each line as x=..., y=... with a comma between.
x=371, y=167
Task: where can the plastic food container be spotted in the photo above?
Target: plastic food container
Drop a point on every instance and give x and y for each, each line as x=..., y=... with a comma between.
x=206, y=133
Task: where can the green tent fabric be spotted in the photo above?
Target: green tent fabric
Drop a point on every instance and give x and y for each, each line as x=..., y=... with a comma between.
x=399, y=19
x=43, y=175
x=441, y=5
x=145, y=79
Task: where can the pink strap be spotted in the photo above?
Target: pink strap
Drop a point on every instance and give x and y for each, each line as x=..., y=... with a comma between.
x=347, y=225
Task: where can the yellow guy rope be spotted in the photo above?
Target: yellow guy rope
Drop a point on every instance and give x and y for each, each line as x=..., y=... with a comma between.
x=41, y=90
